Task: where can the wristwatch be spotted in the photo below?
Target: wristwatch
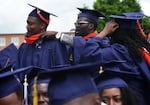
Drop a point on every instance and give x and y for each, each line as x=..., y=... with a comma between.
x=58, y=35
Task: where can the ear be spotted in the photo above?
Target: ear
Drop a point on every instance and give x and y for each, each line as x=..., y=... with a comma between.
x=43, y=26
x=98, y=101
x=91, y=26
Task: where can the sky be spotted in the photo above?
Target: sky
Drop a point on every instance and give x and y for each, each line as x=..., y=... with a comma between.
x=13, y=13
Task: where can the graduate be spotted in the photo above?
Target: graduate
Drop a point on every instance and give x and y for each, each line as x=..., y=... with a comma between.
x=114, y=90
x=17, y=91
x=11, y=87
x=72, y=85
x=38, y=89
x=11, y=91
x=87, y=22
x=38, y=51
x=126, y=44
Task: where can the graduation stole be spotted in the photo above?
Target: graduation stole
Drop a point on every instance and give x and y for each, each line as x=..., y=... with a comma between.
x=146, y=55
x=90, y=35
x=32, y=38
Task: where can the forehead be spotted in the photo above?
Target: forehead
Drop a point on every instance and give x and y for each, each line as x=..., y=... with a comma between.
x=111, y=92
x=32, y=19
x=42, y=87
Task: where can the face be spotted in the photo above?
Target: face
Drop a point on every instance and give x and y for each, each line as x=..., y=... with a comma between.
x=42, y=94
x=82, y=26
x=112, y=96
x=34, y=26
x=11, y=99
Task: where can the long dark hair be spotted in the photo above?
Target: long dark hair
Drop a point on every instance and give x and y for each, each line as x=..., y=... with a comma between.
x=129, y=97
x=132, y=39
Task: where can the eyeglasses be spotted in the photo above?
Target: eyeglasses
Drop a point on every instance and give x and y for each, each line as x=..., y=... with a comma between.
x=80, y=23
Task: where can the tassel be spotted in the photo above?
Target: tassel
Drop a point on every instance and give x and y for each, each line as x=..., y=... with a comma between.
x=35, y=93
x=146, y=55
x=101, y=70
x=25, y=90
x=140, y=28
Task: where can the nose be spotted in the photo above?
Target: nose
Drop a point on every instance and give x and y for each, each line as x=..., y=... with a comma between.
x=40, y=98
x=27, y=27
x=111, y=102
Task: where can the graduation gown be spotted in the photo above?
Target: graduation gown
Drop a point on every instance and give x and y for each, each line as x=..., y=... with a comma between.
x=42, y=53
x=96, y=49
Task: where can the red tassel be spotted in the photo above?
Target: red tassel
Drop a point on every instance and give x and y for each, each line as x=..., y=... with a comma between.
x=146, y=55
x=140, y=28
x=42, y=18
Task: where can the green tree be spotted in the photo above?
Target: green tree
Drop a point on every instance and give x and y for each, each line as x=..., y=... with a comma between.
x=117, y=7
x=146, y=24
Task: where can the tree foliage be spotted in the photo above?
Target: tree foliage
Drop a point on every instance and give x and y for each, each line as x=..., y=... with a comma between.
x=146, y=24
x=117, y=7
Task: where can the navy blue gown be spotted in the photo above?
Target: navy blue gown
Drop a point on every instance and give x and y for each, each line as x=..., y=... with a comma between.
x=43, y=53
x=96, y=49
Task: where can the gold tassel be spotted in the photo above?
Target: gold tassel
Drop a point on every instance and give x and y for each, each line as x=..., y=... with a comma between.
x=101, y=70
x=71, y=58
x=35, y=93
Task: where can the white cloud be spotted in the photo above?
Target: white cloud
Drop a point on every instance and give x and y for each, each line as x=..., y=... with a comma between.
x=145, y=4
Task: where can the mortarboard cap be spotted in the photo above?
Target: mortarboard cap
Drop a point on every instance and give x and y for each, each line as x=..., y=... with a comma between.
x=41, y=14
x=111, y=83
x=42, y=79
x=8, y=57
x=111, y=72
x=68, y=83
x=90, y=14
x=36, y=72
x=139, y=16
x=126, y=22
x=9, y=82
x=112, y=76
x=134, y=14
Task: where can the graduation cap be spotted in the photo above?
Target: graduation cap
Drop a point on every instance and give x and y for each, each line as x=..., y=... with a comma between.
x=126, y=22
x=41, y=14
x=134, y=14
x=68, y=83
x=111, y=83
x=91, y=14
x=139, y=16
x=114, y=76
x=8, y=57
x=9, y=82
x=35, y=72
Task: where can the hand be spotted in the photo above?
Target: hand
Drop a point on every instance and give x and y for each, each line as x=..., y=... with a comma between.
x=49, y=34
x=109, y=28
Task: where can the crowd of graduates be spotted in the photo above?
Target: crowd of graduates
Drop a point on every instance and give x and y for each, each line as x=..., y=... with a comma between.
x=111, y=67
